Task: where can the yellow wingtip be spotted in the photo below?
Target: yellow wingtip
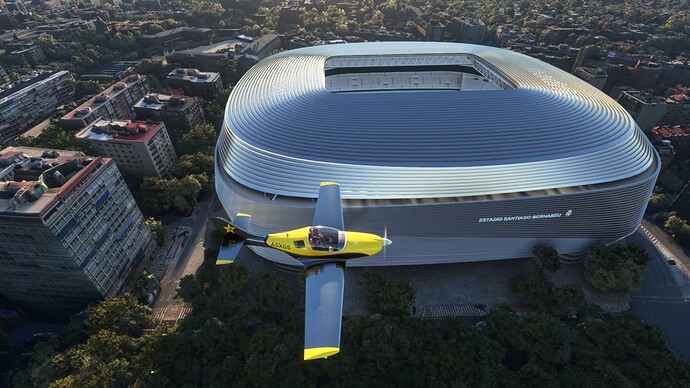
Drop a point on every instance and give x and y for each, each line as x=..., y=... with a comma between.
x=242, y=215
x=315, y=353
x=221, y=262
x=328, y=183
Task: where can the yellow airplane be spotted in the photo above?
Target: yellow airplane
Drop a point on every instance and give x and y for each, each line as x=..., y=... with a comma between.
x=323, y=248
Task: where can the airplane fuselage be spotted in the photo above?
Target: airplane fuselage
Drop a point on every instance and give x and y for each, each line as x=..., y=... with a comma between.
x=323, y=242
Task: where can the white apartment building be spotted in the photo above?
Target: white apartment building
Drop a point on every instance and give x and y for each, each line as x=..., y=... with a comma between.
x=115, y=102
x=30, y=100
x=139, y=148
x=70, y=231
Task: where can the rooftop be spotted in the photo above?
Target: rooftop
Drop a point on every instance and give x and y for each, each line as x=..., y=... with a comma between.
x=671, y=131
x=595, y=71
x=121, y=130
x=471, y=21
x=258, y=45
x=643, y=97
x=117, y=88
x=113, y=69
x=27, y=80
x=39, y=176
x=164, y=101
x=178, y=30
x=193, y=75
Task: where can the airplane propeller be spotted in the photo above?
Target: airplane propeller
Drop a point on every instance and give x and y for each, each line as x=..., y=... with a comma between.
x=386, y=242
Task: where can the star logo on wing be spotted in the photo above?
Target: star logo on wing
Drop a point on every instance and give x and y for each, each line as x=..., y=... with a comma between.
x=229, y=228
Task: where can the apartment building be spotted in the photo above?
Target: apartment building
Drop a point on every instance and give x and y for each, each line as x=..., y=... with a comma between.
x=115, y=102
x=70, y=231
x=31, y=100
x=179, y=113
x=137, y=147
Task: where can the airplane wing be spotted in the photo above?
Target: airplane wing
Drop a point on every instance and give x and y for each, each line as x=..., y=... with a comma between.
x=329, y=209
x=323, y=311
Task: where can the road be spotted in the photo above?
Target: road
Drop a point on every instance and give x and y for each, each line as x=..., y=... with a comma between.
x=37, y=129
x=186, y=255
x=667, y=241
x=664, y=297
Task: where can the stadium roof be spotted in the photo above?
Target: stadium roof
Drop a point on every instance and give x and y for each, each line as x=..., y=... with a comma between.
x=476, y=121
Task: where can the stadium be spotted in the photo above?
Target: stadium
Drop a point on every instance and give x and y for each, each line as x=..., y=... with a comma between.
x=456, y=152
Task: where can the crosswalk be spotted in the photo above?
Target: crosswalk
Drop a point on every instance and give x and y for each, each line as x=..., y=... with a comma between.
x=168, y=314
x=462, y=310
x=158, y=314
x=649, y=234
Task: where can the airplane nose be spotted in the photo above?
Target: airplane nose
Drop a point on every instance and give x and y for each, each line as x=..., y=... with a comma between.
x=387, y=242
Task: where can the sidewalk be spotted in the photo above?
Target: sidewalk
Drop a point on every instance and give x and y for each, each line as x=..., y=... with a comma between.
x=166, y=253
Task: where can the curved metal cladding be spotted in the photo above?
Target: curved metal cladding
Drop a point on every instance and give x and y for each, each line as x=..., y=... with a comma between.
x=452, y=175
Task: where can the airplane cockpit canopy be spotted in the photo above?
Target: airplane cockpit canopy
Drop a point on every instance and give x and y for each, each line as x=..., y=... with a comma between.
x=325, y=238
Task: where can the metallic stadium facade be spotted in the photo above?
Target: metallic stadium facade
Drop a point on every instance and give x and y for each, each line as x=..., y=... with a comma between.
x=456, y=152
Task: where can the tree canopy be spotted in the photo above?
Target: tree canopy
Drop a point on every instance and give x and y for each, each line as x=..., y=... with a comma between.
x=178, y=195
x=246, y=330
x=202, y=138
x=546, y=257
x=615, y=268
x=107, y=349
x=58, y=138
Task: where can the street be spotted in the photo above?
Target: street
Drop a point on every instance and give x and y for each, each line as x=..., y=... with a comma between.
x=664, y=297
x=186, y=254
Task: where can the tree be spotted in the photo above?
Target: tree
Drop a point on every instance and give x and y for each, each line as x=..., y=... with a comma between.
x=157, y=230
x=536, y=290
x=204, y=13
x=674, y=223
x=56, y=137
x=86, y=88
x=549, y=36
x=202, y=138
x=148, y=196
x=546, y=257
x=247, y=333
x=123, y=315
x=385, y=297
x=214, y=110
x=659, y=202
x=228, y=71
x=191, y=164
x=670, y=180
x=585, y=40
x=615, y=268
x=569, y=296
x=676, y=22
x=175, y=194
x=107, y=349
